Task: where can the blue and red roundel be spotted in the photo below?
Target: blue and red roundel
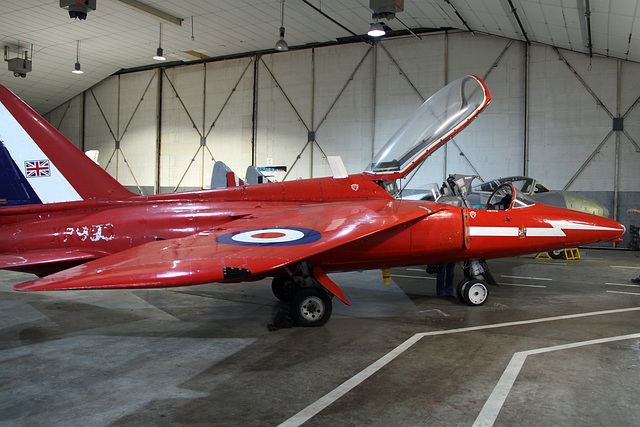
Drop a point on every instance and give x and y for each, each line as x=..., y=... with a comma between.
x=276, y=236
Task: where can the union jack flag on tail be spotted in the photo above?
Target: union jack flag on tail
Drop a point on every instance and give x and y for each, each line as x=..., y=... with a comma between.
x=37, y=168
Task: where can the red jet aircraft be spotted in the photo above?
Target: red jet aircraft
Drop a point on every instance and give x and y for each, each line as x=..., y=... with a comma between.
x=65, y=219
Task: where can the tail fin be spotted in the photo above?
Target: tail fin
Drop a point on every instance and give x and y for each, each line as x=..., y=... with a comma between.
x=39, y=165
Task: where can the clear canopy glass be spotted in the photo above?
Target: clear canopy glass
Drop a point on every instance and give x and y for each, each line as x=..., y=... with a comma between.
x=434, y=122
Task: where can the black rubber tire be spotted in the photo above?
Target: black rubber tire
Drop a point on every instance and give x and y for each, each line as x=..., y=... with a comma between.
x=284, y=288
x=476, y=292
x=460, y=289
x=311, y=307
x=557, y=254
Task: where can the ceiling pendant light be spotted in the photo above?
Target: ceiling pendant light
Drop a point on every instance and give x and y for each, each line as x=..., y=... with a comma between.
x=376, y=29
x=282, y=45
x=159, y=56
x=77, y=69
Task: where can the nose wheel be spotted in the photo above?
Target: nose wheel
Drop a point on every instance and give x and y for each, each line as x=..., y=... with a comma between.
x=473, y=291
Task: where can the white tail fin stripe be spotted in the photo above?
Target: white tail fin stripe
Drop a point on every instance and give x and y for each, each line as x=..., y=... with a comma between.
x=22, y=148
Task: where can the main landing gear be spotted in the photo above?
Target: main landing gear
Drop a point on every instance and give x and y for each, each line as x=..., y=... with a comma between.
x=474, y=289
x=309, y=302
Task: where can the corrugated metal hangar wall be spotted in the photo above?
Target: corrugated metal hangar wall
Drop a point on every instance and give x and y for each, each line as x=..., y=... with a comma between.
x=551, y=117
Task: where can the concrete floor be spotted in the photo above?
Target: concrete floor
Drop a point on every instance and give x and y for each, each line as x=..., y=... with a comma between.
x=557, y=344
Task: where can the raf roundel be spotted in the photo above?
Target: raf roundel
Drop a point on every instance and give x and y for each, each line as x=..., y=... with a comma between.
x=290, y=236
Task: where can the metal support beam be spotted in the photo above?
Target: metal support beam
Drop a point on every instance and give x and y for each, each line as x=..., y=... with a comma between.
x=527, y=69
x=459, y=16
x=515, y=14
x=587, y=14
x=153, y=11
x=156, y=184
x=581, y=80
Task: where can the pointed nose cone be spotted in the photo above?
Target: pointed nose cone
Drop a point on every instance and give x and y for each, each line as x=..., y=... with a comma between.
x=582, y=228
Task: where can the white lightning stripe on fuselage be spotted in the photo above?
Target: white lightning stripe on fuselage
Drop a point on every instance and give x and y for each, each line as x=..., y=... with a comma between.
x=556, y=230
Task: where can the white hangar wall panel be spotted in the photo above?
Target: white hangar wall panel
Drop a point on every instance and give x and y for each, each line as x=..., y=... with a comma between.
x=181, y=155
x=120, y=122
x=67, y=118
x=566, y=122
x=100, y=121
x=408, y=72
x=206, y=117
x=493, y=145
x=343, y=107
x=228, y=118
x=284, y=112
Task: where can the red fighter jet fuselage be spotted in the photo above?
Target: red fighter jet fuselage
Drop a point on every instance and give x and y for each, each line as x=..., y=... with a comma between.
x=64, y=218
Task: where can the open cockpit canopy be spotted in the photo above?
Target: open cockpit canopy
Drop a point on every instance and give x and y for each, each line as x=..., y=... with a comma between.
x=436, y=121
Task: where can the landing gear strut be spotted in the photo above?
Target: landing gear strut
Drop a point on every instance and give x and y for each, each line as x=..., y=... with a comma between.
x=309, y=301
x=472, y=289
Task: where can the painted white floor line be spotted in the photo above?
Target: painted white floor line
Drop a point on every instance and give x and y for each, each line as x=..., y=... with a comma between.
x=413, y=277
x=422, y=270
x=622, y=266
x=313, y=409
x=623, y=284
x=526, y=277
x=522, y=285
x=625, y=293
x=494, y=403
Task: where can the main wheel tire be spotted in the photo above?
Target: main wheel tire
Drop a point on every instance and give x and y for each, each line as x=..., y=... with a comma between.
x=460, y=289
x=557, y=254
x=311, y=307
x=284, y=288
x=475, y=292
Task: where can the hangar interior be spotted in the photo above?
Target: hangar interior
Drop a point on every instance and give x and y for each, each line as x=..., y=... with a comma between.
x=558, y=339
x=551, y=115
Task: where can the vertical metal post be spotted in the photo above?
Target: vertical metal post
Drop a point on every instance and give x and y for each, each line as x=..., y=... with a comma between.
x=617, y=162
x=204, y=113
x=156, y=184
x=374, y=95
x=83, y=116
x=313, y=94
x=118, y=130
x=527, y=63
x=446, y=81
x=254, y=113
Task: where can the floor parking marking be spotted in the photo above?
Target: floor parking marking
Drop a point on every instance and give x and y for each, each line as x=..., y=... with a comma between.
x=522, y=285
x=422, y=270
x=623, y=284
x=625, y=293
x=494, y=403
x=525, y=277
x=622, y=266
x=312, y=410
x=413, y=277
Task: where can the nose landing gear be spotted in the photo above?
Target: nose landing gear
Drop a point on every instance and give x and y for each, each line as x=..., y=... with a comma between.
x=472, y=289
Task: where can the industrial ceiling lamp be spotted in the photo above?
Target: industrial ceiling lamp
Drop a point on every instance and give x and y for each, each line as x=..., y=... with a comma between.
x=159, y=56
x=282, y=45
x=376, y=29
x=383, y=9
x=77, y=69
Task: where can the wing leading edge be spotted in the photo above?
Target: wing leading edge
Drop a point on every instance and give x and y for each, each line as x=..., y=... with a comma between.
x=248, y=247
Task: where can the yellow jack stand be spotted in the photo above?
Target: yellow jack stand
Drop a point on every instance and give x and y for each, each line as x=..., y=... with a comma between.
x=572, y=253
x=543, y=255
